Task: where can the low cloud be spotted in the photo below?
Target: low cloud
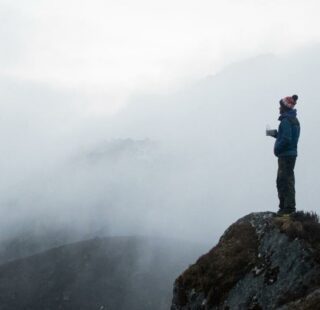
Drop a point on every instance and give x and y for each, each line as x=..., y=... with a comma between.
x=182, y=165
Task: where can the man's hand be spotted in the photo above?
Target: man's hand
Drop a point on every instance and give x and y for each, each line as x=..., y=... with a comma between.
x=272, y=133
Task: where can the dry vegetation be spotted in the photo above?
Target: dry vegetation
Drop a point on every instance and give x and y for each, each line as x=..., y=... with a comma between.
x=304, y=226
x=216, y=272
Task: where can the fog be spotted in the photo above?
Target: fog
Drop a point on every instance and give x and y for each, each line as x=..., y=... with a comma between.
x=181, y=164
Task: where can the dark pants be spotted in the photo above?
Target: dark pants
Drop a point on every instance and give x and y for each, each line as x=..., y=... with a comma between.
x=285, y=183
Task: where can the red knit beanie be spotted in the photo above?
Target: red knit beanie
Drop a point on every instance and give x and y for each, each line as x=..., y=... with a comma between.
x=289, y=102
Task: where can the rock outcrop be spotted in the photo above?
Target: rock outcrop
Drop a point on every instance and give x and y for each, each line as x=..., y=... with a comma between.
x=261, y=262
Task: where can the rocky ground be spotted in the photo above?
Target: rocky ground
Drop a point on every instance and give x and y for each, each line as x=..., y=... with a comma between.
x=261, y=262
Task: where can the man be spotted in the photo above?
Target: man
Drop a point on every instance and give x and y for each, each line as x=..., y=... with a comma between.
x=285, y=149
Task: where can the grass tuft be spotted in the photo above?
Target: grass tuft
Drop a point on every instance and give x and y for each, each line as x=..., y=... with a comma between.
x=304, y=226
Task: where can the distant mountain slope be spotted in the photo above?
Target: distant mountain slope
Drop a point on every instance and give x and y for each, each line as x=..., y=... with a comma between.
x=32, y=241
x=109, y=273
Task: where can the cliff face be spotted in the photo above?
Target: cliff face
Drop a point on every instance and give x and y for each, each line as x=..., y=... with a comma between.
x=261, y=262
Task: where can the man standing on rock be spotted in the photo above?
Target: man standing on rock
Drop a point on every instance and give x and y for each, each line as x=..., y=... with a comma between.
x=285, y=149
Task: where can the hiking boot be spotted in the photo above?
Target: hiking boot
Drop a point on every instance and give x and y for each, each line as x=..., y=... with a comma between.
x=285, y=212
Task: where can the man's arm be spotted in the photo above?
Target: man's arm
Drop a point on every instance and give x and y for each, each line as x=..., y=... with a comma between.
x=284, y=140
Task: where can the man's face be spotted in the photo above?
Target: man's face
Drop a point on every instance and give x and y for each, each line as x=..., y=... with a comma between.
x=281, y=109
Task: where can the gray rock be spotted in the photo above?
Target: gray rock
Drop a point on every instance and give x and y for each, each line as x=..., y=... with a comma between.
x=283, y=274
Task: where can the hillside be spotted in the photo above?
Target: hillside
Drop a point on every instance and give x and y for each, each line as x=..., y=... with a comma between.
x=103, y=273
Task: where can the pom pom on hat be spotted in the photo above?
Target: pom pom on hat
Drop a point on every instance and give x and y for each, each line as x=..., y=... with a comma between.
x=289, y=102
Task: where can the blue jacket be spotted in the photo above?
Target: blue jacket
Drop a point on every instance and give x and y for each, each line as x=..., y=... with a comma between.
x=288, y=135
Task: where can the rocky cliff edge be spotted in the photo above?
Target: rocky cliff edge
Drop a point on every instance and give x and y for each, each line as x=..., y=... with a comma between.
x=261, y=262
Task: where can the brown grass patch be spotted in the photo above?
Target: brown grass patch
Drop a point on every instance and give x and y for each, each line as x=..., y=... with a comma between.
x=304, y=226
x=216, y=272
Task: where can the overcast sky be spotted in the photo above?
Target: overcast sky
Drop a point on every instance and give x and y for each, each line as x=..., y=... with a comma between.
x=111, y=49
